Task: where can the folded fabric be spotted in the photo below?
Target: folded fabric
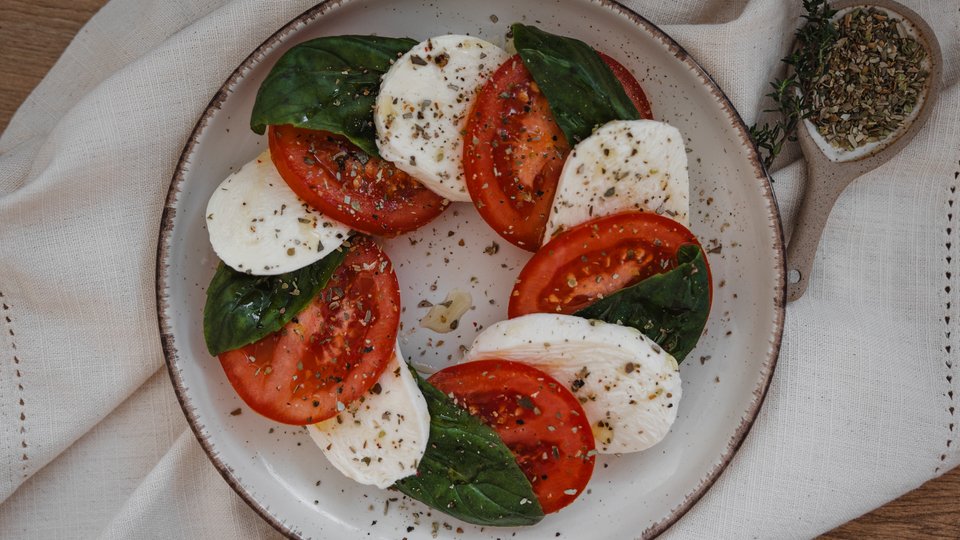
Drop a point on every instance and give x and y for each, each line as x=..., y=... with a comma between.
x=92, y=440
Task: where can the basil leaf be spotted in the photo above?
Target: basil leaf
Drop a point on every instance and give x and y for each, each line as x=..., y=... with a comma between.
x=582, y=91
x=467, y=471
x=243, y=308
x=669, y=308
x=329, y=84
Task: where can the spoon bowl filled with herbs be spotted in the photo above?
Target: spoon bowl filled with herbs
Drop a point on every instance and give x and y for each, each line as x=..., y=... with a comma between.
x=863, y=80
x=873, y=83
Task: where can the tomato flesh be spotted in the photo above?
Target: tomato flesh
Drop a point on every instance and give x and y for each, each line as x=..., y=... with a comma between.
x=340, y=180
x=595, y=259
x=331, y=352
x=538, y=419
x=514, y=150
x=513, y=154
x=630, y=85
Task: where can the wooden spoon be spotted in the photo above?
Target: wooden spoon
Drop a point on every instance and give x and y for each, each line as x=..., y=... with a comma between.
x=827, y=177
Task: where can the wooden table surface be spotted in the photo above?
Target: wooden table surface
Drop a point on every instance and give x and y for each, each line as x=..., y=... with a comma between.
x=33, y=33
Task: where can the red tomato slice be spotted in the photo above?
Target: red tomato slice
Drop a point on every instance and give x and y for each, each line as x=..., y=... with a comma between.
x=595, y=259
x=341, y=181
x=630, y=85
x=330, y=353
x=514, y=151
x=541, y=422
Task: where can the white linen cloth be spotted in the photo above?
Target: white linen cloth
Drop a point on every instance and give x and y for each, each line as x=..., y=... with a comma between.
x=93, y=443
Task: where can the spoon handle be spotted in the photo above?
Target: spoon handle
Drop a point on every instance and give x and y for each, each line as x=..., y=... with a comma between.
x=822, y=191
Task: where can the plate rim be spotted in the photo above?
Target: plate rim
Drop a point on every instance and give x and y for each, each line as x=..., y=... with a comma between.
x=309, y=16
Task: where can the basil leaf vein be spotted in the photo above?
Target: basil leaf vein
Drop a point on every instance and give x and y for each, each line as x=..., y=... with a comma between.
x=467, y=471
x=582, y=91
x=669, y=308
x=329, y=84
x=243, y=308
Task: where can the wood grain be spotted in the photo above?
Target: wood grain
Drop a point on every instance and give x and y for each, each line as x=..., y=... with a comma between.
x=33, y=33
x=930, y=511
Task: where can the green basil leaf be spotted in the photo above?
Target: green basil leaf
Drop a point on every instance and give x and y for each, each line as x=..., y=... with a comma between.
x=467, y=471
x=242, y=308
x=582, y=91
x=329, y=84
x=669, y=308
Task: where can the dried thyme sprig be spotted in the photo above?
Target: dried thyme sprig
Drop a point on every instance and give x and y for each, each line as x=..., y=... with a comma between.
x=791, y=95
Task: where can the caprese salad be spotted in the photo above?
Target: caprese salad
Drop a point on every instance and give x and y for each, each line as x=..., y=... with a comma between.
x=556, y=147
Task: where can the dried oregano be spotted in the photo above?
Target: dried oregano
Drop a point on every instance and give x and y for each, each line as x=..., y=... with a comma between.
x=873, y=80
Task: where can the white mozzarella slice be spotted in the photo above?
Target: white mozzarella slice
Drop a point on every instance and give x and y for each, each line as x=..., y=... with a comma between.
x=258, y=225
x=628, y=385
x=423, y=105
x=381, y=437
x=638, y=165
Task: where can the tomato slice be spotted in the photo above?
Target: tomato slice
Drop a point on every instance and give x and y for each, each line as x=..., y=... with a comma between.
x=541, y=422
x=331, y=352
x=630, y=85
x=341, y=181
x=514, y=151
x=595, y=259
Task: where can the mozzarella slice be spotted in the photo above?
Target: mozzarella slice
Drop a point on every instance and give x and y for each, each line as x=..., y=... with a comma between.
x=625, y=165
x=258, y=225
x=381, y=437
x=423, y=105
x=628, y=385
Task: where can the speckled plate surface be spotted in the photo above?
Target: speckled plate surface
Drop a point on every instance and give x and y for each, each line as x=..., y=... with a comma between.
x=286, y=479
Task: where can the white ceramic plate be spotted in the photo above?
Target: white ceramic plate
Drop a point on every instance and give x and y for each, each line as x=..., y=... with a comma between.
x=285, y=478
